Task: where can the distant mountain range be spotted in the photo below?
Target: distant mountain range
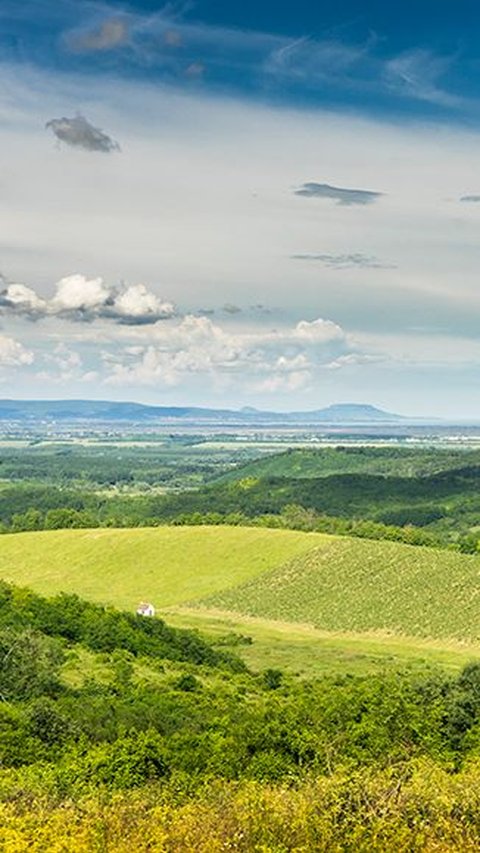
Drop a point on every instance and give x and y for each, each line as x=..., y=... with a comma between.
x=30, y=411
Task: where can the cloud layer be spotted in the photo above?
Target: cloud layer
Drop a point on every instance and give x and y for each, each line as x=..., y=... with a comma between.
x=264, y=361
x=174, y=209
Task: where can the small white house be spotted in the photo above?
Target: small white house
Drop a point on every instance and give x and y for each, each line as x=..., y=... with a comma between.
x=145, y=609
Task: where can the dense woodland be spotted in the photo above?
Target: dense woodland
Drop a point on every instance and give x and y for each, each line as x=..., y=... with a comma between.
x=424, y=497
x=97, y=704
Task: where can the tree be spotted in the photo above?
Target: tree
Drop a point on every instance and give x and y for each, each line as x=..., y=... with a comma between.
x=29, y=664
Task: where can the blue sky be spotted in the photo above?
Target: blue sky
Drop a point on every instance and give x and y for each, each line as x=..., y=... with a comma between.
x=242, y=203
x=400, y=58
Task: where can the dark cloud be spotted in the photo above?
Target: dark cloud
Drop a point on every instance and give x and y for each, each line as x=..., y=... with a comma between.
x=470, y=198
x=347, y=261
x=260, y=309
x=340, y=194
x=111, y=33
x=231, y=309
x=79, y=133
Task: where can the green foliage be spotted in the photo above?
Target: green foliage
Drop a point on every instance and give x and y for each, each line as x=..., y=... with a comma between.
x=469, y=544
x=199, y=729
x=307, y=463
x=123, y=668
x=130, y=761
x=188, y=683
x=29, y=664
x=321, y=764
x=30, y=660
x=414, y=495
x=272, y=679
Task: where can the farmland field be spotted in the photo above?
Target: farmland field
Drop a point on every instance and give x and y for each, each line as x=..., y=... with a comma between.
x=358, y=585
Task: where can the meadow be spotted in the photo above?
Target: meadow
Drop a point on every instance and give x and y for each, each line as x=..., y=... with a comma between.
x=165, y=565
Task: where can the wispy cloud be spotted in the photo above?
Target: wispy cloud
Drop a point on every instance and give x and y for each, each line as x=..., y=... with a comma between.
x=311, y=60
x=417, y=74
x=172, y=43
x=346, y=261
x=341, y=195
x=79, y=133
x=109, y=34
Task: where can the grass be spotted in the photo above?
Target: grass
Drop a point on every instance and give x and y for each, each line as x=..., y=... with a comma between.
x=305, y=651
x=165, y=565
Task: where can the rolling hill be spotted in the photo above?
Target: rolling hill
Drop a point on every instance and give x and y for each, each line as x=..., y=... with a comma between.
x=165, y=565
x=312, y=603
x=310, y=463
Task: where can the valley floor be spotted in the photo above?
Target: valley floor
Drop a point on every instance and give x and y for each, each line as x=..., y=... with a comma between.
x=306, y=651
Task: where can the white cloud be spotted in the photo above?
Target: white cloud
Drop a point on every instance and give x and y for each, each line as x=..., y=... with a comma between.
x=318, y=331
x=77, y=293
x=268, y=360
x=138, y=303
x=78, y=298
x=13, y=353
x=22, y=299
x=352, y=359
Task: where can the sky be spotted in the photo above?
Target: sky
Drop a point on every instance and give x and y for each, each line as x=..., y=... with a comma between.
x=241, y=204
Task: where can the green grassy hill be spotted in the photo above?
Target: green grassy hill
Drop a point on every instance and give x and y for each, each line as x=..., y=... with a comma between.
x=165, y=565
x=312, y=603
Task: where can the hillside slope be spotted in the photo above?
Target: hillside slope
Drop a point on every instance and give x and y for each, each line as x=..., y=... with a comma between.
x=358, y=585
x=165, y=565
x=312, y=603
x=309, y=463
